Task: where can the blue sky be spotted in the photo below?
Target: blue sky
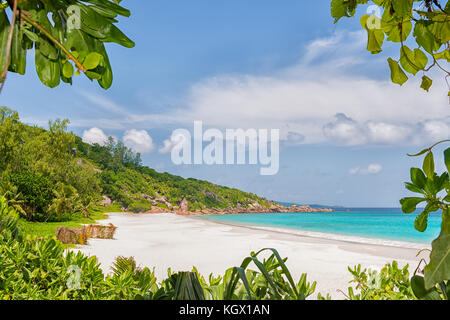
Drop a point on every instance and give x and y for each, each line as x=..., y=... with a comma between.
x=345, y=128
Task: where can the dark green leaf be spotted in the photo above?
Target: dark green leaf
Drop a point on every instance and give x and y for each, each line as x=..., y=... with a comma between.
x=418, y=177
x=409, y=205
x=447, y=159
x=438, y=269
x=413, y=188
x=418, y=287
x=428, y=165
x=48, y=71
x=421, y=222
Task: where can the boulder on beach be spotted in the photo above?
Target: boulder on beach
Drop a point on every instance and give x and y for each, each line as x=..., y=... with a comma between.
x=81, y=235
x=72, y=235
x=101, y=232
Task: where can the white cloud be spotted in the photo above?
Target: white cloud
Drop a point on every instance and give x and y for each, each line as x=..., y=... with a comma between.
x=95, y=135
x=344, y=130
x=138, y=140
x=335, y=75
x=435, y=130
x=387, y=133
x=373, y=168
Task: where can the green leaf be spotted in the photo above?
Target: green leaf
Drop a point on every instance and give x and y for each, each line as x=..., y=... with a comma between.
x=68, y=69
x=342, y=8
x=18, y=52
x=412, y=61
x=440, y=27
x=445, y=55
x=397, y=32
x=438, y=269
x=402, y=8
x=398, y=76
x=418, y=177
x=420, y=153
x=409, y=205
x=447, y=159
x=424, y=37
x=4, y=30
x=426, y=83
x=375, y=37
x=31, y=35
x=92, y=60
x=413, y=188
x=49, y=71
x=428, y=165
x=421, y=222
x=418, y=287
x=420, y=59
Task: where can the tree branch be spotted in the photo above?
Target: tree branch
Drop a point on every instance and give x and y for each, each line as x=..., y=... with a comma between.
x=54, y=40
x=8, y=46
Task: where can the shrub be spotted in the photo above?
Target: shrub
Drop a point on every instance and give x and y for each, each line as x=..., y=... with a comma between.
x=36, y=192
x=390, y=283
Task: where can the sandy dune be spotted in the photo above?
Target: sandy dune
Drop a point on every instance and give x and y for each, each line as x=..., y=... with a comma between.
x=167, y=240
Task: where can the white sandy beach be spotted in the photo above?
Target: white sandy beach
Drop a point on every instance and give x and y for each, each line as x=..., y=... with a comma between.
x=179, y=242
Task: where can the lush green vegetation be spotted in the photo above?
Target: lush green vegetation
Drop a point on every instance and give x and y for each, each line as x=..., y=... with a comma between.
x=434, y=190
x=52, y=176
x=37, y=268
x=426, y=21
x=33, y=268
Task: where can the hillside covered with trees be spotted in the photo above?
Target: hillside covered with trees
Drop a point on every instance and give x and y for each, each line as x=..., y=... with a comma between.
x=49, y=174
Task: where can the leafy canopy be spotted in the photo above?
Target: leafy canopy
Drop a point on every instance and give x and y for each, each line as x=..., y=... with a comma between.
x=424, y=23
x=68, y=37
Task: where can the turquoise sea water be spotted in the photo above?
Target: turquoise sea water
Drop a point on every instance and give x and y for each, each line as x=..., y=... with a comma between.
x=379, y=223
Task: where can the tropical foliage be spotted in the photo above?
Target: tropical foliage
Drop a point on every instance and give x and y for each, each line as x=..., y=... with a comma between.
x=68, y=38
x=49, y=175
x=422, y=23
x=434, y=191
x=389, y=283
x=39, y=269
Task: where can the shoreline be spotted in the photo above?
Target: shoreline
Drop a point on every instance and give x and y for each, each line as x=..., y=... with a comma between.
x=255, y=209
x=178, y=242
x=324, y=235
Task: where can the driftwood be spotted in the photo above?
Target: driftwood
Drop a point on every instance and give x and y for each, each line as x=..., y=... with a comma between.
x=81, y=235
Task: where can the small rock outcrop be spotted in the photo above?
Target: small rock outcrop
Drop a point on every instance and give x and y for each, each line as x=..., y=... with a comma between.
x=72, y=235
x=81, y=235
x=184, y=205
x=106, y=201
x=101, y=232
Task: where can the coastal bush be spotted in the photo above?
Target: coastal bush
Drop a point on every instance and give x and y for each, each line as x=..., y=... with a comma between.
x=36, y=192
x=389, y=283
x=34, y=268
x=433, y=190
